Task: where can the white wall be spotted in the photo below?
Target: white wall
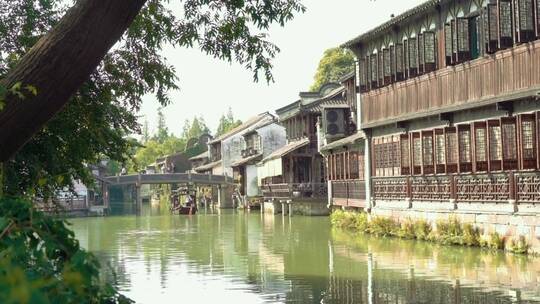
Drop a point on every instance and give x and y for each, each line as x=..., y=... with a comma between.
x=252, y=187
x=273, y=137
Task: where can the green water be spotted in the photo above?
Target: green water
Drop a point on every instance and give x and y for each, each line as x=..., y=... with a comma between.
x=251, y=258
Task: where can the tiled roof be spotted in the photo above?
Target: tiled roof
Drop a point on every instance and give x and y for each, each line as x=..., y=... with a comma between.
x=246, y=160
x=200, y=156
x=292, y=146
x=261, y=119
x=344, y=142
x=208, y=167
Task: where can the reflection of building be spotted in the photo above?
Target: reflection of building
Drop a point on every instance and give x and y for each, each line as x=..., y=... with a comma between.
x=173, y=163
x=448, y=95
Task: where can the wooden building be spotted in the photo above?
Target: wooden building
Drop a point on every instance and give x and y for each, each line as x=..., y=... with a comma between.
x=296, y=173
x=449, y=103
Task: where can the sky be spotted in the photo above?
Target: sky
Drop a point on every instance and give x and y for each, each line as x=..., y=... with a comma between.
x=208, y=87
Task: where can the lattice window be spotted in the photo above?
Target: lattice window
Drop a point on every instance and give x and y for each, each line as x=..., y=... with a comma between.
x=399, y=58
x=463, y=34
x=427, y=144
x=373, y=62
x=527, y=134
x=525, y=15
x=480, y=145
x=429, y=47
x=495, y=143
x=465, y=146
x=440, y=157
x=395, y=154
x=538, y=17
x=505, y=19
x=454, y=36
x=413, y=53
x=406, y=56
x=405, y=152
x=451, y=147
x=363, y=72
x=421, y=49
x=392, y=60
x=387, y=63
x=510, y=144
x=417, y=148
x=448, y=40
x=381, y=68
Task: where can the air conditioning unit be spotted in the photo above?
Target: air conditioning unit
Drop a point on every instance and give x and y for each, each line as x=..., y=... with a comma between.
x=335, y=122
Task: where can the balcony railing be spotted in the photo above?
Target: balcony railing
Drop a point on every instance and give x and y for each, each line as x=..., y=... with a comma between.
x=479, y=82
x=349, y=193
x=293, y=191
x=523, y=187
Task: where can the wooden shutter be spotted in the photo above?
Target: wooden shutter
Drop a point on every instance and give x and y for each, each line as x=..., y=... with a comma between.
x=440, y=151
x=374, y=70
x=399, y=62
x=491, y=28
x=480, y=147
x=427, y=152
x=465, y=149
x=417, y=153
x=524, y=20
x=405, y=154
x=463, y=42
x=393, y=63
x=448, y=43
x=495, y=145
x=430, y=57
x=406, y=59
x=451, y=150
x=528, y=141
x=537, y=18
x=509, y=143
x=363, y=75
x=413, y=57
x=421, y=57
x=387, y=66
x=380, y=65
x=505, y=24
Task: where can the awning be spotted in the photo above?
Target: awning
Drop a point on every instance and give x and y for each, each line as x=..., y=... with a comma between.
x=200, y=156
x=292, y=146
x=208, y=167
x=344, y=142
x=246, y=160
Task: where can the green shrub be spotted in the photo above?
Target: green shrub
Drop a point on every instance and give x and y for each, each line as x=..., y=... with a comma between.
x=471, y=235
x=449, y=232
x=362, y=222
x=407, y=230
x=349, y=220
x=42, y=262
x=493, y=241
x=383, y=227
x=422, y=230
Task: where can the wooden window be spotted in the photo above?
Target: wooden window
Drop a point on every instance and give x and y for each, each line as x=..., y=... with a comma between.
x=417, y=154
x=421, y=57
x=465, y=159
x=399, y=62
x=528, y=141
x=405, y=154
x=405, y=59
x=448, y=43
x=454, y=41
x=491, y=28
x=363, y=75
x=354, y=167
x=374, y=69
x=413, y=57
x=427, y=152
x=524, y=20
x=440, y=152
x=430, y=58
x=392, y=54
x=451, y=150
x=509, y=143
x=505, y=24
x=537, y=19
x=463, y=51
x=480, y=147
x=495, y=145
x=387, y=66
x=381, y=68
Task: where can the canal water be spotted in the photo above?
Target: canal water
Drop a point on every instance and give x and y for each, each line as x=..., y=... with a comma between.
x=252, y=258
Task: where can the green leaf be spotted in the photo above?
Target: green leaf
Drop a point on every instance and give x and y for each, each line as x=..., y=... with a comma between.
x=2, y=105
x=16, y=87
x=42, y=182
x=3, y=92
x=4, y=222
x=32, y=89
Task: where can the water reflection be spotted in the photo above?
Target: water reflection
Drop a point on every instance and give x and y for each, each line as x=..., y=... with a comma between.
x=264, y=259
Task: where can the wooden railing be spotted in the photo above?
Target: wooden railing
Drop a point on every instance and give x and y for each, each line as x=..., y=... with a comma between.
x=291, y=191
x=523, y=187
x=468, y=84
x=349, y=193
x=63, y=204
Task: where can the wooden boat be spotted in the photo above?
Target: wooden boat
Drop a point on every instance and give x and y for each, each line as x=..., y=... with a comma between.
x=187, y=210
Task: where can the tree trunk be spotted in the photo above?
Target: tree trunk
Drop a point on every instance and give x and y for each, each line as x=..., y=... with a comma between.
x=59, y=64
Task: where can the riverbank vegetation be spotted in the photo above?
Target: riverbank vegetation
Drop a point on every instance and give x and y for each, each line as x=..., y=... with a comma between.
x=447, y=232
